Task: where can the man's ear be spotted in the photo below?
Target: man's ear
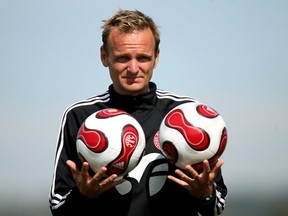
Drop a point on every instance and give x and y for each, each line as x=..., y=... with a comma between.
x=156, y=58
x=104, y=57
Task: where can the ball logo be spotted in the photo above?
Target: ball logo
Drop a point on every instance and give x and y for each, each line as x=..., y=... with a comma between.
x=207, y=111
x=110, y=112
x=196, y=138
x=94, y=140
x=129, y=139
x=129, y=143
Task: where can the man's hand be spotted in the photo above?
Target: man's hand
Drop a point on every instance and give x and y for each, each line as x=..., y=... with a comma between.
x=92, y=187
x=198, y=185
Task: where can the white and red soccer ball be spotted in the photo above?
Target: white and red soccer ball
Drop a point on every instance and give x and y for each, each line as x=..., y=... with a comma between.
x=111, y=138
x=191, y=133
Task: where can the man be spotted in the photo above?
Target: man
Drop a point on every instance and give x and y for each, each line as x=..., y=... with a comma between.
x=155, y=187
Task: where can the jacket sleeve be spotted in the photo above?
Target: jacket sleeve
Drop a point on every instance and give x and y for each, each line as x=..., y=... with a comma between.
x=64, y=197
x=215, y=205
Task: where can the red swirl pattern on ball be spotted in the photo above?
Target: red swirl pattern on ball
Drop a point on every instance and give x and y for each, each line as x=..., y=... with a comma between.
x=94, y=139
x=109, y=112
x=196, y=138
x=206, y=111
x=170, y=151
x=222, y=147
x=129, y=142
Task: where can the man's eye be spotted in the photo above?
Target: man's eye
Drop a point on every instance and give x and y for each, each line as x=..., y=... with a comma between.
x=122, y=59
x=144, y=59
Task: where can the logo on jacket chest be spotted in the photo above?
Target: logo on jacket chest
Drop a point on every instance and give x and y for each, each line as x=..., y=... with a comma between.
x=156, y=141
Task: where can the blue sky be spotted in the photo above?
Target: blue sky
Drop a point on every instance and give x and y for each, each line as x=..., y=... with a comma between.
x=231, y=55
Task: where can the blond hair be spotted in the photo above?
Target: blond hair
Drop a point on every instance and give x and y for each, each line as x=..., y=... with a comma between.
x=128, y=21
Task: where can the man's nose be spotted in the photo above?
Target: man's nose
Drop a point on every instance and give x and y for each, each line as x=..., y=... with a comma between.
x=133, y=66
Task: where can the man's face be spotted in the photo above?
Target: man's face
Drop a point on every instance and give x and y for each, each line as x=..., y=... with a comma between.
x=131, y=59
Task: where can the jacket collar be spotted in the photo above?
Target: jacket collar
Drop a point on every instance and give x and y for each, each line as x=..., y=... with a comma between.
x=131, y=103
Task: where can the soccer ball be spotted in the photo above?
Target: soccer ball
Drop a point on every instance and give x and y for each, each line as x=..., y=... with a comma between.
x=191, y=133
x=111, y=138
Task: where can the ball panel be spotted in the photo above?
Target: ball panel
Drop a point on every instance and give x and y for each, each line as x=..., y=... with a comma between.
x=95, y=160
x=206, y=111
x=95, y=140
x=170, y=151
x=195, y=137
x=216, y=155
x=129, y=142
x=107, y=113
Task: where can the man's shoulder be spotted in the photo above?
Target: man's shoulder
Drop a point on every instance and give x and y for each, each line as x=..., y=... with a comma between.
x=169, y=95
x=89, y=104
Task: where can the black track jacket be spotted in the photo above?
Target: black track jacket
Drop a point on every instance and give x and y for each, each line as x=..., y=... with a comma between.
x=147, y=192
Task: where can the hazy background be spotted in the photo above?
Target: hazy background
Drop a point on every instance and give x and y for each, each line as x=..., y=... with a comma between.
x=230, y=54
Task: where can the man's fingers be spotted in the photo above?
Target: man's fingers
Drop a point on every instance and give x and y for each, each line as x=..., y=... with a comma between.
x=217, y=166
x=98, y=176
x=72, y=166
